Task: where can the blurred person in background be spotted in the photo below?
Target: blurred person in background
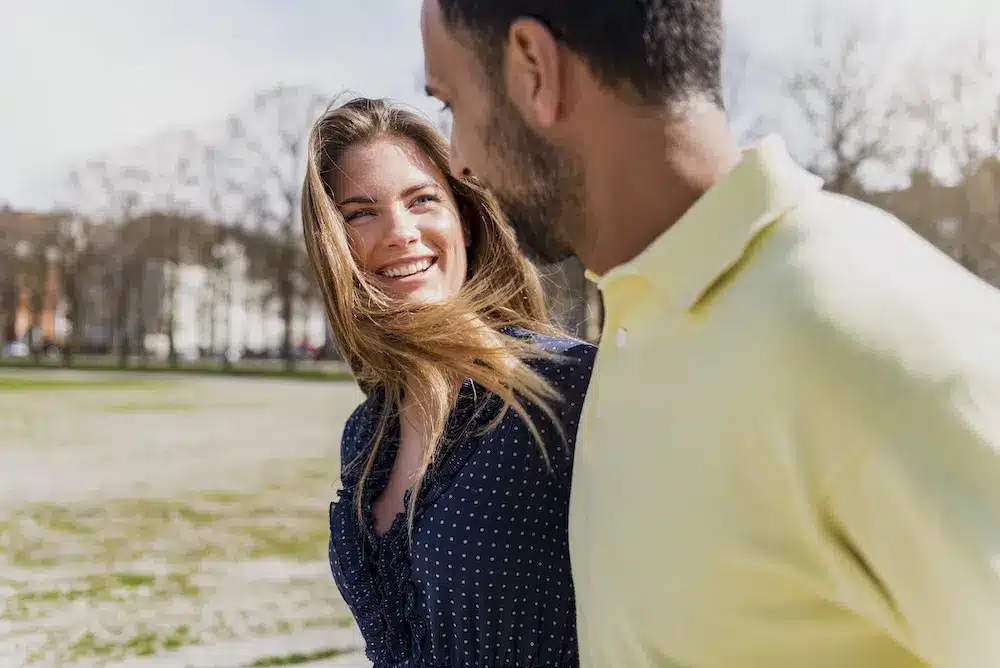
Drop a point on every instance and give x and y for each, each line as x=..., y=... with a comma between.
x=790, y=450
x=449, y=539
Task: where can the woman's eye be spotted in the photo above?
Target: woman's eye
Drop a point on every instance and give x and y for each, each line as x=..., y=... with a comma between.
x=425, y=199
x=358, y=216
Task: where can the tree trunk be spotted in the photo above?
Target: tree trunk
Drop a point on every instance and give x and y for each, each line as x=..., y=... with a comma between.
x=287, y=316
x=228, y=338
x=76, y=322
x=171, y=320
x=286, y=293
x=121, y=318
x=35, y=323
x=172, y=301
x=213, y=310
x=33, y=343
x=10, y=334
x=140, y=313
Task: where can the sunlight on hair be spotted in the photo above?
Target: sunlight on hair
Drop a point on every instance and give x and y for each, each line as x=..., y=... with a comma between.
x=425, y=351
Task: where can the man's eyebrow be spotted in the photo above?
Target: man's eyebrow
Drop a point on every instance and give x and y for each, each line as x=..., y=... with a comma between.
x=430, y=91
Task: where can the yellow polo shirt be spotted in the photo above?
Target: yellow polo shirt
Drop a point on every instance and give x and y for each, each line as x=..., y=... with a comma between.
x=790, y=450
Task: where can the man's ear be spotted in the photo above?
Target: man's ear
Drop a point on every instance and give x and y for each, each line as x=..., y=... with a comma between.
x=533, y=72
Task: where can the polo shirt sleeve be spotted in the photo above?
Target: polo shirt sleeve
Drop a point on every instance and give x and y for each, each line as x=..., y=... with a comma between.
x=919, y=507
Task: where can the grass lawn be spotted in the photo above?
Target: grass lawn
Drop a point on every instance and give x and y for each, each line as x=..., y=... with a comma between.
x=143, y=514
x=248, y=369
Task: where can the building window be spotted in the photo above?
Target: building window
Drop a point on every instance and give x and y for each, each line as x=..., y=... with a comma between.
x=948, y=228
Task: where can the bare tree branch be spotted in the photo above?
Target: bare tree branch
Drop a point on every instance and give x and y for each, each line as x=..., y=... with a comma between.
x=852, y=102
x=274, y=134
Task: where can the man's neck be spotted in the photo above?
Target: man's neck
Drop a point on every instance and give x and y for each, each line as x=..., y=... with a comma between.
x=645, y=179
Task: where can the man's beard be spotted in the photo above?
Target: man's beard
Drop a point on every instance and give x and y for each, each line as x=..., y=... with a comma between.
x=545, y=191
x=533, y=221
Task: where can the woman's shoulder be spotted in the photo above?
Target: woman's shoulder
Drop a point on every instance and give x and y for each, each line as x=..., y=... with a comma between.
x=355, y=424
x=568, y=370
x=357, y=431
x=564, y=346
x=568, y=366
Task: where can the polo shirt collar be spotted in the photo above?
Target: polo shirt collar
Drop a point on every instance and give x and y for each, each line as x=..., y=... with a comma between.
x=713, y=235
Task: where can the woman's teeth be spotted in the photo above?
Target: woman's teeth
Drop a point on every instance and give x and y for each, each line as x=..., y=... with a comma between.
x=403, y=270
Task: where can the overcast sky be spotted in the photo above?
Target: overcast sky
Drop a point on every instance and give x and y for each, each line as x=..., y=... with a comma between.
x=79, y=78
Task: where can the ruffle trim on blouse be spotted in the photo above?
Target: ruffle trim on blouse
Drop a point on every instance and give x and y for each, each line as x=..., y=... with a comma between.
x=388, y=555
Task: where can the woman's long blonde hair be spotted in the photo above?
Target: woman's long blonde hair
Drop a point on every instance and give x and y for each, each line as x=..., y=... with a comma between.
x=423, y=352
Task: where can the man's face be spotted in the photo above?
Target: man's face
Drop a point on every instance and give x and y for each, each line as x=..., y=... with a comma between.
x=539, y=186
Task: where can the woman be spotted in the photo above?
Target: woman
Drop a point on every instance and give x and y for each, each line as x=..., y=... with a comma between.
x=449, y=539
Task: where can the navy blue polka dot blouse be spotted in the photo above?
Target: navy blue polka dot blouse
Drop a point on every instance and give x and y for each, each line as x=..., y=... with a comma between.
x=486, y=580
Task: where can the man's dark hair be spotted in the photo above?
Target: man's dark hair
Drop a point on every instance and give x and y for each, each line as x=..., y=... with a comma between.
x=663, y=51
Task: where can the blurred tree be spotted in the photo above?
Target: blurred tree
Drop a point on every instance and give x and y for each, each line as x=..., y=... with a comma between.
x=275, y=134
x=851, y=90
x=963, y=123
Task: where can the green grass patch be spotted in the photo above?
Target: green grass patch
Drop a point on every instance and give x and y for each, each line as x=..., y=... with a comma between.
x=63, y=519
x=304, y=543
x=81, y=518
x=12, y=383
x=110, y=587
x=319, y=474
x=226, y=496
x=89, y=645
x=152, y=407
x=164, y=510
x=117, y=531
x=180, y=584
x=297, y=658
x=341, y=622
x=133, y=580
x=280, y=515
x=144, y=642
x=207, y=369
x=214, y=525
x=178, y=638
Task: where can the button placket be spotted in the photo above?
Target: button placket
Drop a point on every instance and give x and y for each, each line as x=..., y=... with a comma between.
x=604, y=384
x=619, y=301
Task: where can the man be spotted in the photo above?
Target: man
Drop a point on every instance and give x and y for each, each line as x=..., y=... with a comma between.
x=790, y=453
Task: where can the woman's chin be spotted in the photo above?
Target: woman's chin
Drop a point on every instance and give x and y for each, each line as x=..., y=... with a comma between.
x=415, y=295
x=417, y=292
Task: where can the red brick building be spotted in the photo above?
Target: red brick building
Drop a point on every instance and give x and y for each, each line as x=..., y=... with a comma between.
x=29, y=278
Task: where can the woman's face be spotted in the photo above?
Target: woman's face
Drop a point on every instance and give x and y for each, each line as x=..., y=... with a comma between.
x=402, y=221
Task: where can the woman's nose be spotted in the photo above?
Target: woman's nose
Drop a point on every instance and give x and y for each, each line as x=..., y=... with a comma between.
x=403, y=229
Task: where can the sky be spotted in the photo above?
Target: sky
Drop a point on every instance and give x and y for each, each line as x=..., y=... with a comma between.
x=81, y=78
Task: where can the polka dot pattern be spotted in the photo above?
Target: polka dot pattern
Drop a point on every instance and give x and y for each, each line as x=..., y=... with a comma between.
x=486, y=579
